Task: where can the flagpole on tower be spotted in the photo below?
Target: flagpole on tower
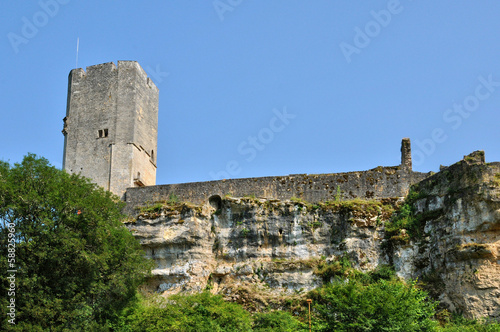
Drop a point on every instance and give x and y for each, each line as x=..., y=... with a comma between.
x=77, y=45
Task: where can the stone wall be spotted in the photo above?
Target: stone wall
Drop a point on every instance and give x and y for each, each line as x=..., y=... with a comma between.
x=380, y=182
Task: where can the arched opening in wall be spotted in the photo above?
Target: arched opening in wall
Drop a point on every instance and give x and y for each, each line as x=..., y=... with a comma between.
x=215, y=201
x=153, y=156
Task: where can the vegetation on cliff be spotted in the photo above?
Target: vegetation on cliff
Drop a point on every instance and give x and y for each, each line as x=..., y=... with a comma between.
x=375, y=301
x=351, y=301
x=404, y=224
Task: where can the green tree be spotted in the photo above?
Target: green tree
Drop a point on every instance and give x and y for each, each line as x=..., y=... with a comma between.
x=384, y=305
x=76, y=264
x=201, y=312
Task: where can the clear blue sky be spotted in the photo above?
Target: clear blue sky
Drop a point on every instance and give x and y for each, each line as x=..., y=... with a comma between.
x=354, y=77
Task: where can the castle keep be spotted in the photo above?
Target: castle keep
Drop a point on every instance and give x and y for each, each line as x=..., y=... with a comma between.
x=110, y=128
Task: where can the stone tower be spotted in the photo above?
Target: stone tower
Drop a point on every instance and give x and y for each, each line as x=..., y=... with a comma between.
x=111, y=126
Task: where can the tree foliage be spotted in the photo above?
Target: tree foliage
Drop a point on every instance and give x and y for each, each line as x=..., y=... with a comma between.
x=202, y=312
x=76, y=264
x=277, y=321
x=457, y=323
x=384, y=305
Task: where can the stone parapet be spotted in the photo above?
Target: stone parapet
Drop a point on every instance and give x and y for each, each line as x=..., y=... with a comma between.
x=378, y=183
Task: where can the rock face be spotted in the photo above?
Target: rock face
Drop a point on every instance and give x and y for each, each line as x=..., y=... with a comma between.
x=458, y=253
x=256, y=250
x=258, y=246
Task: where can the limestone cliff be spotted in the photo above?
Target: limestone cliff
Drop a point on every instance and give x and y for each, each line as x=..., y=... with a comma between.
x=258, y=251
x=457, y=254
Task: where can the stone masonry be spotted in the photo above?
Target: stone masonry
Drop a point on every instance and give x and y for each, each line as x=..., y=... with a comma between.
x=377, y=183
x=406, y=154
x=110, y=128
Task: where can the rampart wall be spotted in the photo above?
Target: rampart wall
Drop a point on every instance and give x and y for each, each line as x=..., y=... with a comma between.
x=377, y=183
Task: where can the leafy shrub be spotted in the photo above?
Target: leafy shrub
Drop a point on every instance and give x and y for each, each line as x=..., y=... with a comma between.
x=405, y=219
x=155, y=208
x=277, y=321
x=382, y=272
x=497, y=179
x=461, y=324
x=201, y=313
x=478, y=327
x=341, y=267
x=173, y=199
x=381, y=306
x=244, y=232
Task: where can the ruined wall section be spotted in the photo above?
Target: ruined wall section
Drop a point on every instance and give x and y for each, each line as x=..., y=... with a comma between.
x=381, y=182
x=406, y=162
